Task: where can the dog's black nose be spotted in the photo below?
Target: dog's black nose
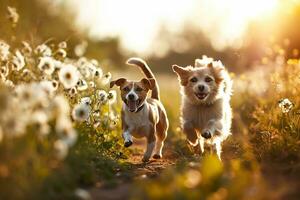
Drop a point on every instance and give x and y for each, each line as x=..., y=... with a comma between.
x=206, y=134
x=131, y=97
x=201, y=88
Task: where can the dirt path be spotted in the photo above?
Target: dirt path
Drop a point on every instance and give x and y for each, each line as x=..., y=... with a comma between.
x=139, y=170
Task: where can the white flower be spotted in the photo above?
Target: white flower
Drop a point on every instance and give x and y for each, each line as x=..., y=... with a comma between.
x=87, y=69
x=65, y=130
x=18, y=60
x=85, y=72
x=106, y=78
x=61, y=149
x=102, y=96
x=58, y=64
x=48, y=87
x=61, y=53
x=86, y=101
x=80, y=49
x=13, y=16
x=70, y=137
x=9, y=83
x=14, y=124
x=4, y=50
x=98, y=73
x=46, y=65
x=81, y=112
x=43, y=50
x=82, y=194
x=112, y=96
x=286, y=105
x=59, y=106
x=91, y=84
x=62, y=45
x=40, y=95
x=72, y=91
x=40, y=119
x=25, y=94
x=91, y=68
x=4, y=71
x=55, y=84
x=2, y=78
x=68, y=76
x=82, y=85
x=81, y=61
x=94, y=62
x=26, y=49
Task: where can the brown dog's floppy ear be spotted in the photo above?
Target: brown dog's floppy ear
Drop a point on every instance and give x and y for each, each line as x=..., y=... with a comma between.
x=118, y=82
x=182, y=73
x=152, y=82
x=148, y=83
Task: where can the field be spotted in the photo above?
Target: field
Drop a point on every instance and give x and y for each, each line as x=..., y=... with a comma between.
x=61, y=137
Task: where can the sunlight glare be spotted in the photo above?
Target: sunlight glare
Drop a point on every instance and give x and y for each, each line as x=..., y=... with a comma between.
x=137, y=22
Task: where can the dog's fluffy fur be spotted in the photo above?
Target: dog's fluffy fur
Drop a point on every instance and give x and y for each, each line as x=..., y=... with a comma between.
x=143, y=116
x=205, y=113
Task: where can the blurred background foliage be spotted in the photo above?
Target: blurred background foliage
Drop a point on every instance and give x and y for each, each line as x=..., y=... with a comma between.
x=41, y=20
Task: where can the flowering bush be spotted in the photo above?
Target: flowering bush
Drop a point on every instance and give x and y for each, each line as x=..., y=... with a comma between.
x=48, y=100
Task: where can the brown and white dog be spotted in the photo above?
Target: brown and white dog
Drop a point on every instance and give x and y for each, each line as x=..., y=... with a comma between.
x=205, y=111
x=143, y=116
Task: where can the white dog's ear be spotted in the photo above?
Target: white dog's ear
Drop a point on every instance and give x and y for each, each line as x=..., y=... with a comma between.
x=183, y=74
x=218, y=70
x=118, y=82
x=198, y=63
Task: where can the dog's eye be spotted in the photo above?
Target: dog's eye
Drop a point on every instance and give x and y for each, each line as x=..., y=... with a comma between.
x=126, y=89
x=138, y=89
x=208, y=79
x=194, y=79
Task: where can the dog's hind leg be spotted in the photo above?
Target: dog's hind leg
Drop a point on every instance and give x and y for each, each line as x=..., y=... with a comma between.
x=158, y=149
x=150, y=145
x=161, y=135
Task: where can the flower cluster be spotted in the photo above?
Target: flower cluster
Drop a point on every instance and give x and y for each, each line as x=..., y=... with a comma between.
x=44, y=86
x=285, y=105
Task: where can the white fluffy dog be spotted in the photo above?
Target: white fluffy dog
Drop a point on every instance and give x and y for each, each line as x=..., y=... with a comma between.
x=205, y=113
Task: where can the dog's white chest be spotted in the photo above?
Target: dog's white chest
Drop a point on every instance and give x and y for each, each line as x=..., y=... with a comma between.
x=138, y=122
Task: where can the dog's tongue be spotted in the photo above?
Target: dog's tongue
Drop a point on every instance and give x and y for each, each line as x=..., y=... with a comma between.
x=132, y=105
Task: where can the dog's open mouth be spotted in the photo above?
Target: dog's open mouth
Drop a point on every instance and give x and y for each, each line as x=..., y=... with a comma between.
x=133, y=105
x=201, y=95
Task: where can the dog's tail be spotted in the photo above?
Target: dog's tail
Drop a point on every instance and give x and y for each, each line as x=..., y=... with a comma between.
x=148, y=73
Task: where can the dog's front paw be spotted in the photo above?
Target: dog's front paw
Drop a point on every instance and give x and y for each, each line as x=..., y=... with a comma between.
x=157, y=156
x=128, y=143
x=206, y=134
x=146, y=159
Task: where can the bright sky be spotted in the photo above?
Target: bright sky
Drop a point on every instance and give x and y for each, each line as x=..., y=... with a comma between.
x=137, y=22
